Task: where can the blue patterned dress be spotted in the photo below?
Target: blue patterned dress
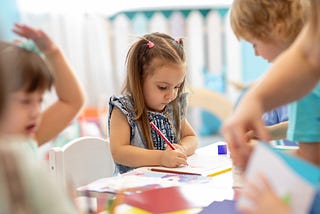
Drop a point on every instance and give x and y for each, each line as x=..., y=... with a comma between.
x=164, y=121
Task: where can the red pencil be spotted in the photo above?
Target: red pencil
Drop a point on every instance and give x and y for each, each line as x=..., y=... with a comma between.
x=161, y=135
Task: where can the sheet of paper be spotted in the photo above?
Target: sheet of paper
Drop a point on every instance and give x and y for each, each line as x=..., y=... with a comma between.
x=118, y=183
x=225, y=207
x=291, y=177
x=204, y=162
x=141, y=179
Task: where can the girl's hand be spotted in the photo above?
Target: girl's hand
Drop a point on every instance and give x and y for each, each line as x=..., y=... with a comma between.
x=39, y=37
x=173, y=158
x=180, y=148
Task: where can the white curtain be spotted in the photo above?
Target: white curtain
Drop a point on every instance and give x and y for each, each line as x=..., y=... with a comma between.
x=85, y=40
x=96, y=46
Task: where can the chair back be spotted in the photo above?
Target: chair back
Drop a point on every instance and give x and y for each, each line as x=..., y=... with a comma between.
x=211, y=101
x=82, y=161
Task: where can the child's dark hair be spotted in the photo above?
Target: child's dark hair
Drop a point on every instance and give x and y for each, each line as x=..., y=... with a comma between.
x=25, y=69
x=140, y=63
x=3, y=81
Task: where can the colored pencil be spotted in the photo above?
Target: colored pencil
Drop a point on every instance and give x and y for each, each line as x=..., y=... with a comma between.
x=162, y=135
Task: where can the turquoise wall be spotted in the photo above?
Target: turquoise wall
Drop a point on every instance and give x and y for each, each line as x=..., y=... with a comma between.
x=252, y=66
x=9, y=14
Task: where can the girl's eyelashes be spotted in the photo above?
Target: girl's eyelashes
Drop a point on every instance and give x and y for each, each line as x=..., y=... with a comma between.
x=162, y=88
x=166, y=87
x=178, y=86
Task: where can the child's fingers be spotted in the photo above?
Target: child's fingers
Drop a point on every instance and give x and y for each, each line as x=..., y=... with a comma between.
x=261, y=130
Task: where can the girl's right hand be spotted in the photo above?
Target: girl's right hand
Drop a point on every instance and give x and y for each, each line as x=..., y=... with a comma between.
x=173, y=158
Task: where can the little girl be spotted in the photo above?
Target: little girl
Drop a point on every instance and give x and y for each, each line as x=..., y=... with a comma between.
x=153, y=92
x=25, y=183
x=33, y=75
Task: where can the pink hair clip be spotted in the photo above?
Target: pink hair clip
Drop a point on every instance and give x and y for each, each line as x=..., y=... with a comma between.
x=150, y=44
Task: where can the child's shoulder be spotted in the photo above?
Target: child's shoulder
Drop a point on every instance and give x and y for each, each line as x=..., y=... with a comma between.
x=120, y=99
x=123, y=102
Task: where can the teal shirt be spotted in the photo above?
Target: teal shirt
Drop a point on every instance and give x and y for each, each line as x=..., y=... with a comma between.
x=304, y=118
x=39, y=191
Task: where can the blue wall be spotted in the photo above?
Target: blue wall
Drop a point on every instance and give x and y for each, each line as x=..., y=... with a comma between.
x=9, y=14
x=252, y=66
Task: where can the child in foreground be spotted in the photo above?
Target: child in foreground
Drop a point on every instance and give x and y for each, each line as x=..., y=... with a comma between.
x=153, y=92
x=25, y=184
x=34, y=74
x=298, y=66
x=271, y=27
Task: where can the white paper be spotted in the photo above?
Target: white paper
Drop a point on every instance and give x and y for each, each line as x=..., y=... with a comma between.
x=204, y=162
x=285, y=181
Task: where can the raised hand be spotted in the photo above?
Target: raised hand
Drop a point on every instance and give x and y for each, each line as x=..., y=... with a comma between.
x=40, y=38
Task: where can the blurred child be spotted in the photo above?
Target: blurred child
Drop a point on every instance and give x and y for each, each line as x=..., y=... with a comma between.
x=25, y=185
x=36, y=75
x=270, y=26
x=272, y=35
x=3, y=84
x=299, y=66
x=153, y=91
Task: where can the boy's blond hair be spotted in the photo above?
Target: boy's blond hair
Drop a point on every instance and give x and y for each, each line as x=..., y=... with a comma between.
x=268, y=19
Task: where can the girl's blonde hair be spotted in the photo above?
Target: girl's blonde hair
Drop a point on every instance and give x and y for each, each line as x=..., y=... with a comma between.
x=259, y=19
x=140, y=63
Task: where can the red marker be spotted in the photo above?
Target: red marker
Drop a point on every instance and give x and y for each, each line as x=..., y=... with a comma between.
x=162, y=135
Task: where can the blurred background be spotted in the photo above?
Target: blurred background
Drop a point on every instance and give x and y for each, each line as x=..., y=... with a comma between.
x=95, y=36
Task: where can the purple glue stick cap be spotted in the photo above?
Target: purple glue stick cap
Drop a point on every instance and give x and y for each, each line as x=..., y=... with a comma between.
x=222, y=149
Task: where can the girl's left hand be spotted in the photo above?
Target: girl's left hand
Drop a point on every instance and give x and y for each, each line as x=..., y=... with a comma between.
x=40, y=38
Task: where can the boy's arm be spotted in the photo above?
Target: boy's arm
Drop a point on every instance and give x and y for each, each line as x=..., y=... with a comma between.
x=276, y=132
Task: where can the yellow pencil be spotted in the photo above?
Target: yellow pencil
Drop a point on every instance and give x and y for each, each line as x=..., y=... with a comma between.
x=220, y=172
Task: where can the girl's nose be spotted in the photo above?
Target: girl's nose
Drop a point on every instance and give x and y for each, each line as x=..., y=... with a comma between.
x=171, y=95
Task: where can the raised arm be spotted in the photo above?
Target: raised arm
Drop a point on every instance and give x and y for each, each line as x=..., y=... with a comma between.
x=290, y=77
x=70, y=96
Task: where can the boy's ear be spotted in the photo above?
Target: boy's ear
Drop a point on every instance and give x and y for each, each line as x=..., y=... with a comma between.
x=280, y=31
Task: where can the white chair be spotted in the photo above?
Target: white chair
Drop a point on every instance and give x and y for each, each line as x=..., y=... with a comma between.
x=81, y=161
x=211, y=101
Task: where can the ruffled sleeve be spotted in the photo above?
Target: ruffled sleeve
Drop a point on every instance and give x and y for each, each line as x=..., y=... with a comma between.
x=124, y=104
